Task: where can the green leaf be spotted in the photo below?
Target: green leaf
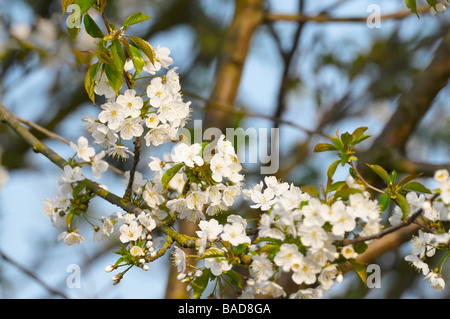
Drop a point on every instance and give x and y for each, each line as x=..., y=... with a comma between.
x=105, y=56
x=393, y=177
x=80, y=186
x=332, y=169
x=118, y=54
x=360, y=269
x=404, y=205
x=118, y=262
x=412, y=5
x=241, y=248
x=380, y=171
x=73, y=32
x=89, y=82
x=84, y=5
x=336, y=186
x=408, y=179
x=169, y=174
x=200, y=283
x=236, y=278
x=145, y=47
x=338, y=143
x=136, y=57
x=100, y=5
x=311, y=190
x=212, y=253
x=384, y=201
x=114, y=76
x=357, y=133
x=360, y=247
x=66, y=3
x=346, y=138
x=135, y=18
x=345, y=192
x=92, y=28
x=416, y=187
x=324, y=147
x=69, y=219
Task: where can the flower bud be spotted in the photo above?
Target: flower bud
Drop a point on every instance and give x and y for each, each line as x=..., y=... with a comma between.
x=109, y=268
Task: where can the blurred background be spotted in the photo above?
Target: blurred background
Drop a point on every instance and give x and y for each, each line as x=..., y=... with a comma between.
x=244, y=63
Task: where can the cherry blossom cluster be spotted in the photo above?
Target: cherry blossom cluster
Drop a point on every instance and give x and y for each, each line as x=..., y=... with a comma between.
x=433, y=237
x=308, y=231
x=128, y=115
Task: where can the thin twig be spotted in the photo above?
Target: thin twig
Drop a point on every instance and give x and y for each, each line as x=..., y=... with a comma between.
x=243, y=112
x=324, y=18
x=363, y=180
x=55, y=136
x=33, y=276
x=411, y=219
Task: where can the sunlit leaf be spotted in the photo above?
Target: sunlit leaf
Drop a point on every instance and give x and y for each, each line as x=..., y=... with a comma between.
x=324, y=147
x=380, y=171
x=416, y=187
x=135, y=18
x=169, y=174
x=92, y=28
x=89, y=82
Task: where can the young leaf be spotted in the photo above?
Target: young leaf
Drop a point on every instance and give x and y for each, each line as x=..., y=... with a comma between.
x=100, y=5
x=324, y=147
x=118, y=54
x=241, y=248
x=357, y=133
x=145, y=47
x=84, y=5
x=200, y=283
x=338, y=143
x=92, y=28
x=136, y=57
x=346, y=138
x=169, y=174
x=212, y=253
x=114, y=76
x=89, y=82
x=412, y=5
x=384, y=201
x=380, y=171
x=73, y=32
x=311, y=190
x=135, y=18
x=404, y=205
x=66, y=3
x=416, y=187
x=393, y=177
x=236, y=278
x=332, y=169
x=360, y=269
x=80, y=186
x=336, y=186
x=360, y=247
x=408, y=179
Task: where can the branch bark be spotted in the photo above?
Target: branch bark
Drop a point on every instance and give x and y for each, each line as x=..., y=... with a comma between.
x=389, y=147
x=325, y=18
x=248, y=16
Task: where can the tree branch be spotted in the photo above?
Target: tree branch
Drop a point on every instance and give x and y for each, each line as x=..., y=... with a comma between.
x=411, y=219
x=33, y=276
x=325, y=18
x=39, y=147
